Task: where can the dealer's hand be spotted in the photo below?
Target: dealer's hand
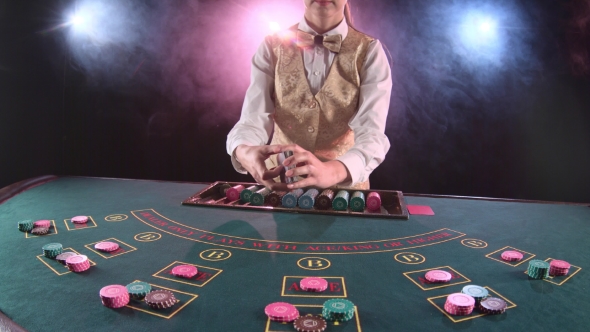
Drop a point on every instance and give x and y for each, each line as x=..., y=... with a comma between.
x=319, y=174
x=252, y=159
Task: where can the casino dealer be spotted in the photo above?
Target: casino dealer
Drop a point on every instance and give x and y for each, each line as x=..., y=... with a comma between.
x=348, y=143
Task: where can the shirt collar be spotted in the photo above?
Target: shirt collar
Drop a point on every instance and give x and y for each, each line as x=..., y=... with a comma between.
x=340, y=29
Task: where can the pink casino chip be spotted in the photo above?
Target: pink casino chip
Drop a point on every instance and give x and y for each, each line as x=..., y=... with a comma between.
x=374, y=201
x=281, y=312
x=512, y=256
x=185, y=271
x=313, y=284
x=233, y=193
x=106, y=246
x=114, y=296
x=80, y=219
x=438, y=276
x=42, y=224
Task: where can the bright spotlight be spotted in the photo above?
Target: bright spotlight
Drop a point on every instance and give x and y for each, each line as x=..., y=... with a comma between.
x=76, y=20
x=486, y=26
x=274, y=26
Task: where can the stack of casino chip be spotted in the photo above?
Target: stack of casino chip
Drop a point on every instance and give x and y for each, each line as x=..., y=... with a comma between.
x=233, y=193
x=41, y=227
x=374, y=201
x=476, y=292
x=160, y=299
x=138, y=290
x=438, y=276
x=257, y=198
x=290, y=198
x=106, y=246
x=538, y=269
x=310, y=323
x=340, y=202
x=307, y=200
x=78, y=263
x=247, y=192
x=492, y=306
x=61, y=258
x=559, y=268
x=339, y=310
x=512, y=256
x=25, y=225
x=357, y=201
x=281, y=312
x=185, y=271
x=80, y=219
x=114, y=296
x=51, y=250
x=313, y=284
x=459, y=304
x=324, y=200
x=274, y=198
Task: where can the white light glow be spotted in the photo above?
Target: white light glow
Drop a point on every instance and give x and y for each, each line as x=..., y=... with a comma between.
x=274, y=26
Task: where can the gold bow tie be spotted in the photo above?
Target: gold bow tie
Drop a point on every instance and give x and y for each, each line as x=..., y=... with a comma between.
x=332, y=42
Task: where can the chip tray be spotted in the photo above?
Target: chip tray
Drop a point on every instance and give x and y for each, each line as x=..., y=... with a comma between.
x=392, y=202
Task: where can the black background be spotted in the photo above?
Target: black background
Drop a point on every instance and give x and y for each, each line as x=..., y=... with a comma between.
x=518, y=127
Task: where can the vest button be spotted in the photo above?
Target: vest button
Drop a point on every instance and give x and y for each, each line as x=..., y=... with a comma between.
x=312, y=104
x=310, y=129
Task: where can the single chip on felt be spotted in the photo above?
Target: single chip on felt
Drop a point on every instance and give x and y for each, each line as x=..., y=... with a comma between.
x=310, y=323
x=313, y=284
x=63, y=256
x=40, y=230
x=185, y=271
x=512, y=256
x=420, y=210
x=160, y=299
x=438, y=276
x=80, y=219
x=281, y=312
x=106, y=246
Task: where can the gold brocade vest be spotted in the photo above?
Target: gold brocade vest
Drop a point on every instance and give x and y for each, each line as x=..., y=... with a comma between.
x=319, y=123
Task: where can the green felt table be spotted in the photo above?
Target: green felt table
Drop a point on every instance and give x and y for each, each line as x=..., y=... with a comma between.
x=248, y=259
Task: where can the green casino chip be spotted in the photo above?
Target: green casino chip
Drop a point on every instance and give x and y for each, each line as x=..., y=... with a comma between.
x=138, y=290
x=247, y=193
x=357, y=201
x=51, y=250
x=257, y=198
x=340, y=202
x=477, y=292
x=340, y=310
x=25, y=225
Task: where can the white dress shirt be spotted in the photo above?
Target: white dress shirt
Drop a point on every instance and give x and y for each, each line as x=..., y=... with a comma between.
x=370, y=143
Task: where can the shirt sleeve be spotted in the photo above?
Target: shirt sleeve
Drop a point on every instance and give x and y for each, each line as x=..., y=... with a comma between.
x=370, y=142
x=255, y=125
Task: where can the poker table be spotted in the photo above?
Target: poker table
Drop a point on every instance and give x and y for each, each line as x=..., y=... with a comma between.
x=249, y=258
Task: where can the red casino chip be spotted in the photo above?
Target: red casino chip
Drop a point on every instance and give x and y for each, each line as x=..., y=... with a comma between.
x=185, y=271
x=310, y=323
x=233, y=193
x=373, y=201
x=106, y=246
x=281, y=312
x=559, y=268
x=313, y=284
x=80, y=219
x=438, y=276
x=512, y=256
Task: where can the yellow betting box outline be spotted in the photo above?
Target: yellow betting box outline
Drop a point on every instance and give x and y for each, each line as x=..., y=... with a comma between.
x=153, y=311
x=569, y=275
x=437, y=285
x=509, y=263
x=40, y=257
x=90, y=220
x=90, y=246
x=290, y=326
x=186, y=282
x=492, y=293
x=314, y=294
x=30, y=236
